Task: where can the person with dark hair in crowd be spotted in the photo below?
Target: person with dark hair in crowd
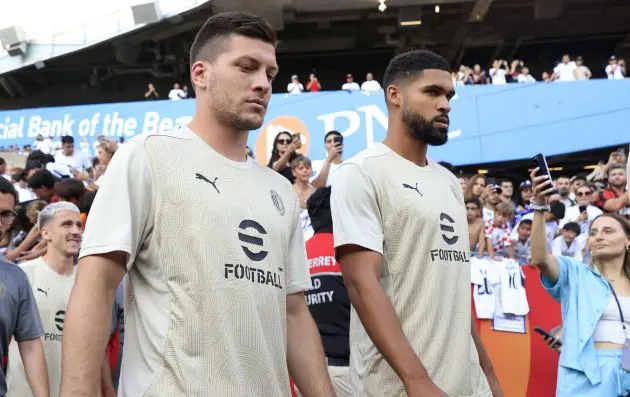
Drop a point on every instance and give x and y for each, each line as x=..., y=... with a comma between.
x=284, y=151
x=507, y=191
x=213, y=314
x=75, y=160
x=19, y=317
x=70, y=189
x=475, y=226
x=392, y=207
x=328, y=301
x=324, y=171
x=523, y=242
x=567, y=244
x=615, y=198
x=42, y=183
x=595, y=301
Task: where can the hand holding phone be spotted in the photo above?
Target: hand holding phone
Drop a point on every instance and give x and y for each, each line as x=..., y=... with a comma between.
x=552, y=341
x=543, y=169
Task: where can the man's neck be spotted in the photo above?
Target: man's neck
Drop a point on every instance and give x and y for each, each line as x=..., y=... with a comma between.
x=229, y=143
x=489, y=206
x=400, y=141
x=58, y=262
x=618, y=189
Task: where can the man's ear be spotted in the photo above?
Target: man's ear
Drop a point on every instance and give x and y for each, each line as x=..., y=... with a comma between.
x=46, y=235
x=200, y=74
x=394, y=95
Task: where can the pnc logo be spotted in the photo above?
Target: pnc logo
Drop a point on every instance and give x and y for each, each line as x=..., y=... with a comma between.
x=246, y=225
x=448, y=231
x=290, y=124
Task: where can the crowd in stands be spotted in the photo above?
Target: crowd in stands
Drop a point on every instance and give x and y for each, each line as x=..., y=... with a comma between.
x=499, y=215
x=516, y=71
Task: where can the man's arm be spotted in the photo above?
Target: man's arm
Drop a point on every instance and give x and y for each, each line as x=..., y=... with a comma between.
x=305, y=355
x=32, y=353
x=322, y=177
x=616, y=204
x=486, y=363
x=107, y=382
x=88, y=322
x=361, y=271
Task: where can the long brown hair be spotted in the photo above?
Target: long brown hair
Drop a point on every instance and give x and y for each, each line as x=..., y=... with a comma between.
x=471, y=182
x=625, y=225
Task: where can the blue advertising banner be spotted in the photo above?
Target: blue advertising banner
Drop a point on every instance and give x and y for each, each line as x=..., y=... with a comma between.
x=488, y=123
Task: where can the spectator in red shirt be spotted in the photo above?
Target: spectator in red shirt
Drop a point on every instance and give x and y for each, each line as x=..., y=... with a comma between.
x=313, y=84
x=615, y=198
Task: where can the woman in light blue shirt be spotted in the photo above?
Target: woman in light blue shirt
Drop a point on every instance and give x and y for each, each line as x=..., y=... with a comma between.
x=595, y=301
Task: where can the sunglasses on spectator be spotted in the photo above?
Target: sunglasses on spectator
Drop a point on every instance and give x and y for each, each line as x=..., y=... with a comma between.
x=582, y=194
x=284, y=141
x=7, y=217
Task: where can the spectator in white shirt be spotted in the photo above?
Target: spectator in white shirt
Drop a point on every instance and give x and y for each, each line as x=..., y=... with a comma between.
x=350, y=85
x=44, y=145
x=564, y=71
x=498, y=72
x=525, y=77
x=582, y=213
x=325, y=171
x=75, y=159
x=615, y=70
x=176, y=93
x=567, y=243
x=295, y=87
x=370, y=85
x=582, y=72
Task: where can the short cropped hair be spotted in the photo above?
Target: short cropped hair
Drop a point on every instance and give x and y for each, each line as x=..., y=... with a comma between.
x=48, y=212
x=573, y=227
x=526, y=222
x=67, y=139
x=412, y=64
x=210, y=38
x=300, y=159
x=70, y=189
x=42, y=178
x=332, y=132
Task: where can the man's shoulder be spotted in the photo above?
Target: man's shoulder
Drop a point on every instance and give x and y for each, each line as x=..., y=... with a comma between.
x=32, y=264
x=273, y=179
x=366, y=156
x=11, y=273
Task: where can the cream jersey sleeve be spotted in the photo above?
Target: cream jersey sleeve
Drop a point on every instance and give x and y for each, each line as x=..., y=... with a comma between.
x=121, y=216
x=355, y=211
x=298, y=276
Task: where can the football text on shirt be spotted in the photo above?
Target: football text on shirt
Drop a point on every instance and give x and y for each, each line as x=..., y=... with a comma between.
x=253, y=274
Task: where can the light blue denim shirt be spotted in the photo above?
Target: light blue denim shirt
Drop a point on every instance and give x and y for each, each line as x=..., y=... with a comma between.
x=584, y=295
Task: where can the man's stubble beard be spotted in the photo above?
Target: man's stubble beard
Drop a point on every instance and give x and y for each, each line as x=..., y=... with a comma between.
x=423, y=130
x=227, y=113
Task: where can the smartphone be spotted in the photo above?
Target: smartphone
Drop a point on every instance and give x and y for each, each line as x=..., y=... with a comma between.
x=547, y=335
x=338, y=140
x=541, y=163
x=582, y=208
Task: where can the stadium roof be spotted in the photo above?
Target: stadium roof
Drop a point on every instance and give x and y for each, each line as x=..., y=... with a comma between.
x=326, y=28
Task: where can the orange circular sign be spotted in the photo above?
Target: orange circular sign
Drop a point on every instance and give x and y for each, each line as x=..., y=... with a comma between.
x=290, y=124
